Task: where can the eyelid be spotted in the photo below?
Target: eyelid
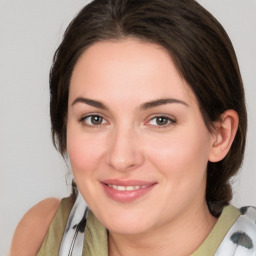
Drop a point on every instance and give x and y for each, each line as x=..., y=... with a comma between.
x=82, y=119
x=172, y=120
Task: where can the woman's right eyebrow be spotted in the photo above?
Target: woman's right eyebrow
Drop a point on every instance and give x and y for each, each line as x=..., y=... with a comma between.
x=93, y=103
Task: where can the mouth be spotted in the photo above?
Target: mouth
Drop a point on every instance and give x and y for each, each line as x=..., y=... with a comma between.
x=126, y=191
x=126, y=188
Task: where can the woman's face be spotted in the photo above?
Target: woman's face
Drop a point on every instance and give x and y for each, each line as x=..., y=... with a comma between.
x=137, y=143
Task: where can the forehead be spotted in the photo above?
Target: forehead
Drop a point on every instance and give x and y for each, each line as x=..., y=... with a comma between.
x=127, y=68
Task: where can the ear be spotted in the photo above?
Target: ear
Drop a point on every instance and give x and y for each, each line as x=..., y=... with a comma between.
x=224, y=134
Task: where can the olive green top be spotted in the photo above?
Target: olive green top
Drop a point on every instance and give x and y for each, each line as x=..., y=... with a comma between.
x=96, y=239
x=52, y=241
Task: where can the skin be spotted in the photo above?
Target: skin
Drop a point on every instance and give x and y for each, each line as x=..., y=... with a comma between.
x=33, y=228
x=130, y=141
x=129, y=144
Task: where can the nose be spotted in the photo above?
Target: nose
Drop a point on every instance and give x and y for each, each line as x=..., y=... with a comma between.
x=125, y=150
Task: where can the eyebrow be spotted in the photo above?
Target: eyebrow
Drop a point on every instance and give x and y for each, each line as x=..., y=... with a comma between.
x=93, y=103
x=159, y=102
x=144, y=106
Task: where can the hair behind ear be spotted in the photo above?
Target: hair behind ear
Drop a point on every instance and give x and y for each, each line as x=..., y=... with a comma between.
x=226, y=130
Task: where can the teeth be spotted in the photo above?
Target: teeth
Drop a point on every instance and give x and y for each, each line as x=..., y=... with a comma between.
x=127, y=188
x=121, y=188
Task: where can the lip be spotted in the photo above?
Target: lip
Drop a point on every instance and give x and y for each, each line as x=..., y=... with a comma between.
x=126, y=196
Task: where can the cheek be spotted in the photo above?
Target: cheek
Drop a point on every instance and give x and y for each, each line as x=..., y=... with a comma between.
x=181, y=153
x=83, y=151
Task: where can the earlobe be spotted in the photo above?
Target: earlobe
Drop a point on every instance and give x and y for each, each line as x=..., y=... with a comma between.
x=223, y=137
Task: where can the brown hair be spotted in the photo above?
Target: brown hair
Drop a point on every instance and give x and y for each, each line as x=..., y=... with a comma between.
x=200, y=48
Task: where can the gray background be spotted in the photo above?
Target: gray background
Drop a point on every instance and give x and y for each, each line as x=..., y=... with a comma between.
x=30, y=168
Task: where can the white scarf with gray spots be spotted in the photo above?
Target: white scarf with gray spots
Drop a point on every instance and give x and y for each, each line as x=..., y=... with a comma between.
x=241, y=237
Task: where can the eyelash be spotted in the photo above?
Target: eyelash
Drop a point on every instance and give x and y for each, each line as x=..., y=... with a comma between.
x=170, y=121
x=83, y=120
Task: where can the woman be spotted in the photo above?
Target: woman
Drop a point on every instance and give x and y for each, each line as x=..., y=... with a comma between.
x=147, y=104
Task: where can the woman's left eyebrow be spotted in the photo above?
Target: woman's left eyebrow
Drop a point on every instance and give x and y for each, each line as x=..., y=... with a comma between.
x=159, y=102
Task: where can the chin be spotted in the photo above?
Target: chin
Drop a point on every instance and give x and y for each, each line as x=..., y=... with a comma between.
x=127, y=222
x=128, y=228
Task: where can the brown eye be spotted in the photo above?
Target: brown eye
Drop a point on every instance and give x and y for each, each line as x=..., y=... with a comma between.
x=93, y=120
x=96, y=120
x=161, y=121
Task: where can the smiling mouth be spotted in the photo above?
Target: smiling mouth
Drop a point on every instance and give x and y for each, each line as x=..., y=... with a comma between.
x=127, y=188
x=126, y=191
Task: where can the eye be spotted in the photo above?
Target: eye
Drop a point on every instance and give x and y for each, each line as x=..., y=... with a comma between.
x=93, y=120
x=161, y=121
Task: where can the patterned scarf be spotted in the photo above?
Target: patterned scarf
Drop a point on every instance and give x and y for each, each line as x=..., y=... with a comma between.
x=85, y=236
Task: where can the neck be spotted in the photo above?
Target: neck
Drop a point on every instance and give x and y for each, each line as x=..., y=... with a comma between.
x=181, y=237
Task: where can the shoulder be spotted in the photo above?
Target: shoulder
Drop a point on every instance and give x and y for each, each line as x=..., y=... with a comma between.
x=33, y=227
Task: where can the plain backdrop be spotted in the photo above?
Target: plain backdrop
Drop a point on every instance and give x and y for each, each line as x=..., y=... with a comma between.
x=30, y=168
